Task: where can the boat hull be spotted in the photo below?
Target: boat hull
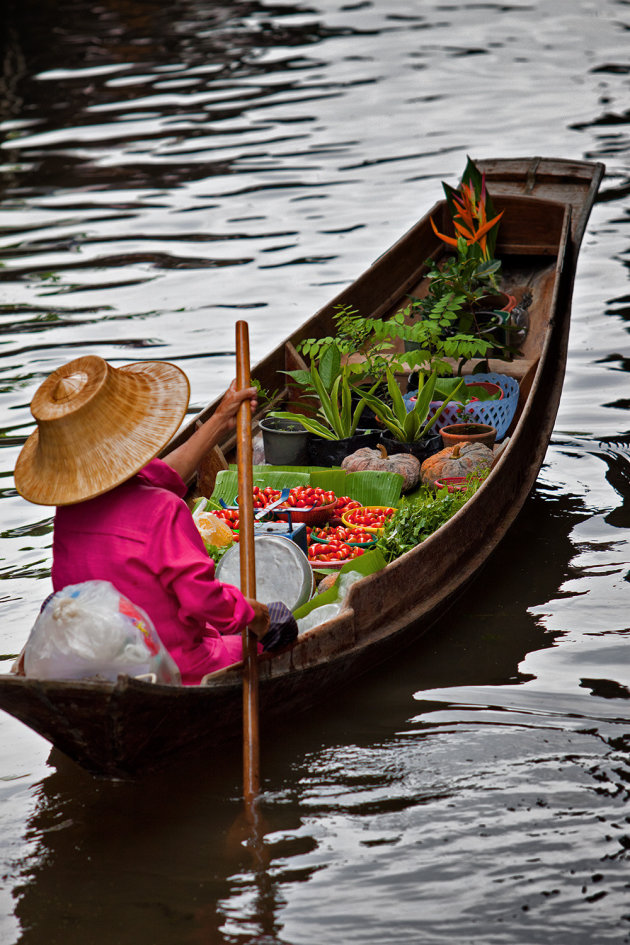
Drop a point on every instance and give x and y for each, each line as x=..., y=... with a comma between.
x=125, y=729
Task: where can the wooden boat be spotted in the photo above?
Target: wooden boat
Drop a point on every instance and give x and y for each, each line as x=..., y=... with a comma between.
x=123, y=729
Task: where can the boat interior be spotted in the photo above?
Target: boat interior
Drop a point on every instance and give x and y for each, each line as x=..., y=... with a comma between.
x=532, y=240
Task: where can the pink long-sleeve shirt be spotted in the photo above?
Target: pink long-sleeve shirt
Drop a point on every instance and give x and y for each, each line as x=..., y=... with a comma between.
x=142, y=537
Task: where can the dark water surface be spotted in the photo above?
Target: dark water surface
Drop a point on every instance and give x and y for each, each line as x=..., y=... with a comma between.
x=166, y=169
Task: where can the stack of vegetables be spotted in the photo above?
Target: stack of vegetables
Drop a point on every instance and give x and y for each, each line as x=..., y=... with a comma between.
x=346, y=514
x=319, y=499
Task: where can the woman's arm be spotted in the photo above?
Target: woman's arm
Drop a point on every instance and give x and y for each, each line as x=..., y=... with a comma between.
x=185, y=570
x=186, y=458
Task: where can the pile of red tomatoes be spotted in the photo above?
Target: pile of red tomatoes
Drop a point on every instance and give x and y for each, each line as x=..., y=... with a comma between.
x=309, y=497
x=329, y=544
x=264, y=497
x=332, y=552
x=356, y=536
x=344, y=503
x=371, y=517
x=300, y=497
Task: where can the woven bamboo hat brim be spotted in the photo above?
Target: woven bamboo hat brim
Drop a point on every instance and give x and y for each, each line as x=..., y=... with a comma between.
x=97, y=426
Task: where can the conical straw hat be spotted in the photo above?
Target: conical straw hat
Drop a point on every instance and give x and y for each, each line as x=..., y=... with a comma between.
x=97, y=426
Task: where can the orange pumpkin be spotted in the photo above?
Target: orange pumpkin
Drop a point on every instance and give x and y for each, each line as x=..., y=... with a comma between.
x=404, y=464
x=459, y=460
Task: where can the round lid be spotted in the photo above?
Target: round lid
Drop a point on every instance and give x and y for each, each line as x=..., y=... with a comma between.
x=283, y=571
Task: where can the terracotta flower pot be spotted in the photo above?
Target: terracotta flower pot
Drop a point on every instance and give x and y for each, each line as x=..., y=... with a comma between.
x=468, y=433
x=500, y=302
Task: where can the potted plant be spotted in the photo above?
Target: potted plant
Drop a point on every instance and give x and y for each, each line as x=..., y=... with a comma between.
x=408, y=430
x=474, y=218
x=433, y=340
x=466, y=282
x=353, y=334
x=482, y=433
x=333, y=427
x=285, y=441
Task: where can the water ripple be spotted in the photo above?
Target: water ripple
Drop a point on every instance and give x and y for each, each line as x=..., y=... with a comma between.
x=168, y=169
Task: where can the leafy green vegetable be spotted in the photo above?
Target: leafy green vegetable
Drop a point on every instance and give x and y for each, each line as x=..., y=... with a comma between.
x=215, y=553
x=415, y=521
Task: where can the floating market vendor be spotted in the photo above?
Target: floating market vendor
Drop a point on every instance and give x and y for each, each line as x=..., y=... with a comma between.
x=121, y=515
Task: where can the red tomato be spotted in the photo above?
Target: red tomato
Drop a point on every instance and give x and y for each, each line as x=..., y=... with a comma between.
x=369, y=517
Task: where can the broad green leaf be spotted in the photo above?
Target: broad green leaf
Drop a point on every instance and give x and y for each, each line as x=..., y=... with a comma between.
x=368, y=563
x=309, y=424
x=301, y=377
x=358, y=411
x=329, y=365
x=399, y=408
x=369, y=487
x=424, y=398
x=334, y=479
x=323, y=396
x=225, y=486
x=334, y=409
x=374, y=487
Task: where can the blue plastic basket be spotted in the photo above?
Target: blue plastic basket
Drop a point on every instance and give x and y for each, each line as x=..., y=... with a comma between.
x=498, y=413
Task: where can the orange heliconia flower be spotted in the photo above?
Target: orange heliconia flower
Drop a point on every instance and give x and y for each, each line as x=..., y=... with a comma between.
x=470, y=220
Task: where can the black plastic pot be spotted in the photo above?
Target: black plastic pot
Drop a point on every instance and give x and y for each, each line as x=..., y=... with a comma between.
x=285, y=442
x=368, y=417
x=322, y=452
x=421, y=449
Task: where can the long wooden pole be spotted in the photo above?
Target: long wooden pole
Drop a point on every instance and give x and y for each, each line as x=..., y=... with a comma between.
x=251, y=739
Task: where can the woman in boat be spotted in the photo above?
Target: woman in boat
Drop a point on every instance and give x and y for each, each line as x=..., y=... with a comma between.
x=121, y=515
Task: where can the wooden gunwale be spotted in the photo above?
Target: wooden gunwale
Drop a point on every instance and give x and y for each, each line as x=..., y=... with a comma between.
x=122, y=729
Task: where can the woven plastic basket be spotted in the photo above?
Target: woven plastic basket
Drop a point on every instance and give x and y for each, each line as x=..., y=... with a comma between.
x=498, y=413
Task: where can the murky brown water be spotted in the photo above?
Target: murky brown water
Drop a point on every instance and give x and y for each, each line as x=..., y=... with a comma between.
x=168, y=169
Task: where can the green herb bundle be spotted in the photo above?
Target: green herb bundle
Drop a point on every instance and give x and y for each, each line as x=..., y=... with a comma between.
x=414, y=521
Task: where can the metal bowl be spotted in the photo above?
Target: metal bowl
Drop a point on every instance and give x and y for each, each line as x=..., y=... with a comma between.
x=283, y=571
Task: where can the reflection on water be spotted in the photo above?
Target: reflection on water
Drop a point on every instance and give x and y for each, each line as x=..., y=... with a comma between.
x=165, y=170
x=452, y=763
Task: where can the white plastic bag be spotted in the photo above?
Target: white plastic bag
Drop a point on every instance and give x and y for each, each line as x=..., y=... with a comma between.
x=319, y=613
x=90, y=630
